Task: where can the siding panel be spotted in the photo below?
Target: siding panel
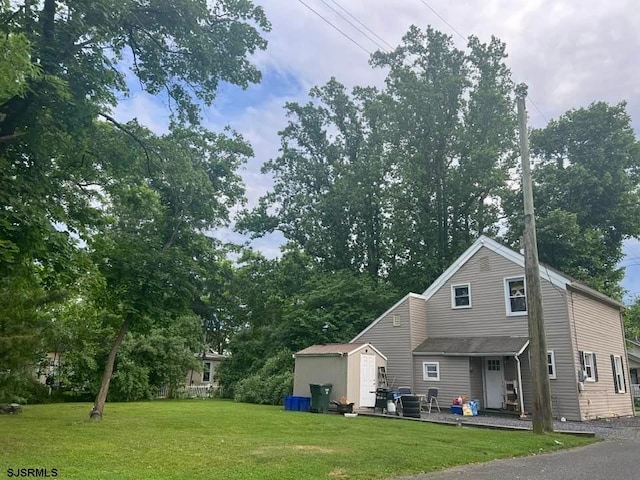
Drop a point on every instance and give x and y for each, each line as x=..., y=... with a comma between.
x=598, y=329
x=394, y=343
x=454, y=378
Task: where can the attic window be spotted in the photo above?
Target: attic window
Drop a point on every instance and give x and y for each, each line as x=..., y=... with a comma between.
x=515, y=296
x=396, y=321
x=461, y=296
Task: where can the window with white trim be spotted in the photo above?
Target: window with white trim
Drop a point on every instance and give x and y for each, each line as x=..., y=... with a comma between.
x=551, y=364
x=206, y=372
x=589, y=366
x=515, y=296
x=618, y=374
x=461, y=296
x=431, y=371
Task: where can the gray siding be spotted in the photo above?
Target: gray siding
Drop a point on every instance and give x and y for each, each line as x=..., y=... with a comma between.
x=394, y=343
x=485, y=272
x=418, y=315
x=454, y=378
x=476, y=387
x=598, y=329
x=320, y=369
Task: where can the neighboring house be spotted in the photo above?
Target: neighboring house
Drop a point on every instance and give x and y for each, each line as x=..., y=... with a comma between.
x=49, y=369
x=633, y=359
x=210, y=362
x=467, y=334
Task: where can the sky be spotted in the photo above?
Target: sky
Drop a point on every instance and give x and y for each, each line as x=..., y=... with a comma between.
x=570, y=53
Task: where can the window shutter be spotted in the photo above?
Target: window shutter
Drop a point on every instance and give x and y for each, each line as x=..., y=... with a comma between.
x=595, y=366
x=613, y=369
x=624, y=376
x=581, y=357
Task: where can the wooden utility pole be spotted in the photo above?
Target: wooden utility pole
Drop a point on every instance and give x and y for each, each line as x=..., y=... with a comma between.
x=542, y=414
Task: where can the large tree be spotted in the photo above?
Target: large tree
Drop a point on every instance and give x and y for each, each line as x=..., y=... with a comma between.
x=69, y=63
x=587, y=193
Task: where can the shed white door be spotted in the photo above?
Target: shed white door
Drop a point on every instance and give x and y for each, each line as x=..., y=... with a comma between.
x=493, y=381
x=367, y=381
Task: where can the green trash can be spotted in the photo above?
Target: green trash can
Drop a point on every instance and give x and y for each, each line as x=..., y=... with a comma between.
x=320, y=397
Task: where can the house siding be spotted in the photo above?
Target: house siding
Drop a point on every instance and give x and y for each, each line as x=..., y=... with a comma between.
x=394, y=343
x=320, y=369
x=598, y=329
x=418, y=321
x=476, y=387
x=485, y=271
x=454, y=377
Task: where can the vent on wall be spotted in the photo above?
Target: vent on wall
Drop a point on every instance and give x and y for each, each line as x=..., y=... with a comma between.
x=396, y=321
x=484, y=265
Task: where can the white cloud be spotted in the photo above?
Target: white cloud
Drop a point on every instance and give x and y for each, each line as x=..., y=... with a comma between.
x=569, y=53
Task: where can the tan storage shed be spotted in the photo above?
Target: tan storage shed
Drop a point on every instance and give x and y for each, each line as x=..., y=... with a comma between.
x=352, y=369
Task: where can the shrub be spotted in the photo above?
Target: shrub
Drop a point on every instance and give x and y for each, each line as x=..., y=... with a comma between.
x=270, y=384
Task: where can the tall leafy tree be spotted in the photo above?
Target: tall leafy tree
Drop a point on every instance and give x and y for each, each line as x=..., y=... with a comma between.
x=587, y=195
x=150, y=246
x=451, y=138
x=329, y=186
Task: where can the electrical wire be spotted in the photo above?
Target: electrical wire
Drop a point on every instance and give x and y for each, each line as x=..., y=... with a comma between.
x=354, y=26
x=363, y=25
x=443, y=19
x=335, y=28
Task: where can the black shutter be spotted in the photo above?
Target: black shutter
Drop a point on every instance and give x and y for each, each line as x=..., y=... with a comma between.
x=595, y=366
x=624, y=376
x=613, y=369
x=581, y=357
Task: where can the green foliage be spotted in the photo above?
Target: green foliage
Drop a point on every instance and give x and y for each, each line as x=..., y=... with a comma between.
x=270, y=384
x=631, y=316
x=586, y=193
x=396, y=182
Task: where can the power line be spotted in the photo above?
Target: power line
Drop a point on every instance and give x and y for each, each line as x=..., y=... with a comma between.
x=336, y=28
x=443, y=19
x=363, y=25
x=536, y=107
x=354, y=26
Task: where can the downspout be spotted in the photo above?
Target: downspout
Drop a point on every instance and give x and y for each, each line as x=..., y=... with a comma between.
x=520, y=393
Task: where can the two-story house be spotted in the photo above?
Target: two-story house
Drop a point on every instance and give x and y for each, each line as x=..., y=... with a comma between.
x=467, y=334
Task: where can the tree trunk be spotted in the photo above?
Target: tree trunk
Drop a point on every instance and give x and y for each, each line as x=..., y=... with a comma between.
x=98, y=407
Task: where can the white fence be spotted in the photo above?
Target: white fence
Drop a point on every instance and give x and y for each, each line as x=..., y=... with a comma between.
x=189, y=391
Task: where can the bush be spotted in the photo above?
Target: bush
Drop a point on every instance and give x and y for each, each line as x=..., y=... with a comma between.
x=270, y=384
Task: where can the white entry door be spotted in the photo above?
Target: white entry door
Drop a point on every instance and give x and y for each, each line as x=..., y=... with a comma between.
x=368, y=382
x=493, y=381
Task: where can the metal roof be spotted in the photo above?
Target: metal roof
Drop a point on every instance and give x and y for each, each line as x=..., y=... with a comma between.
x=472, y=346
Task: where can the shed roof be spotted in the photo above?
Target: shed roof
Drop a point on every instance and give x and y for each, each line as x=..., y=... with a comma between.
x=336, y=349
x=472, y=346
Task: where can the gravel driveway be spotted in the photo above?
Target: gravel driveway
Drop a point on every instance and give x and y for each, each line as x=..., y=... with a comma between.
x=622, y=427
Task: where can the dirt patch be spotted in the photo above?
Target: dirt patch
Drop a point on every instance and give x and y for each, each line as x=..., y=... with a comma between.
x=293, y=449
x=338, y=474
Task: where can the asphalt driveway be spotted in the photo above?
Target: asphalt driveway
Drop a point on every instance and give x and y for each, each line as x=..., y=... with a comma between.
x=617, y=459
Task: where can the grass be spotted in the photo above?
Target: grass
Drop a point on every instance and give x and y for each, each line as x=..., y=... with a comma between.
x=202, y=439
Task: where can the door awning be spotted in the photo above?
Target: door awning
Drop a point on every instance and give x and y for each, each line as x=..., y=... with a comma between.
x=473, y=346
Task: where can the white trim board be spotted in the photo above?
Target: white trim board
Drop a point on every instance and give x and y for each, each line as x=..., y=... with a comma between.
x=396, y=305
x=515, y=257
x=366, y=345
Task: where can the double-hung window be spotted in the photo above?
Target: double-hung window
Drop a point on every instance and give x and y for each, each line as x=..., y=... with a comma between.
x=431, y=371
x=618, y=374
x=551, y=364
x=206, y=372
x=589, y=366
x=515, y=296
x=461, y=296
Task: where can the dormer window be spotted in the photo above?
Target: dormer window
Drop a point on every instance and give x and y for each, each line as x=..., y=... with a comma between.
x=515, y=296
x=461, y=296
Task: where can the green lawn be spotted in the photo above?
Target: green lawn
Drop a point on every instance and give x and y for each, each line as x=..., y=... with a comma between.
x=204, y=439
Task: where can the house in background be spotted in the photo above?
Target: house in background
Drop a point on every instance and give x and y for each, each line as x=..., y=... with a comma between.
x=633, y=359
x=467, y=334
x=205, y=379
